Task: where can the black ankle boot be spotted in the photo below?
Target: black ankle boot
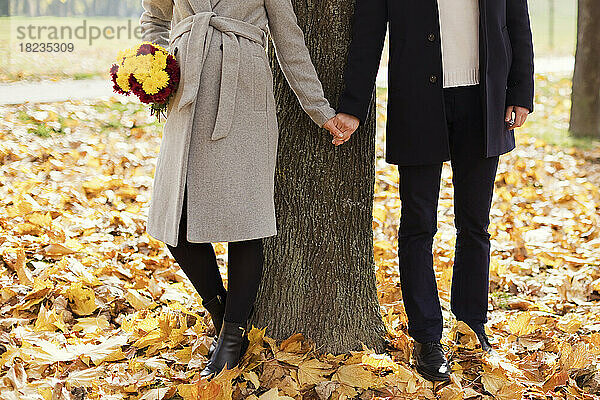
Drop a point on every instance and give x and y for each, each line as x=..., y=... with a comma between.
x=431, y=362
x=216, y=309
x=229, y=350
x=479, y=329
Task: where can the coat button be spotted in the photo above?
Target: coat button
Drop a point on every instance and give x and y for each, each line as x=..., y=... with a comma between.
x=433, y=78
x=431, y=37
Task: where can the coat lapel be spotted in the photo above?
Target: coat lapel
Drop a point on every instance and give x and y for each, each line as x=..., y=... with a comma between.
x=214, y=3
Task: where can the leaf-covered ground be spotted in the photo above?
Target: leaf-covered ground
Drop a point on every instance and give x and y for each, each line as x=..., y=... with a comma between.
x=91, y=307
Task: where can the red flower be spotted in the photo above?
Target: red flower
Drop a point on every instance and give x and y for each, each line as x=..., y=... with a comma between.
x=113, y=74
x=146, y=49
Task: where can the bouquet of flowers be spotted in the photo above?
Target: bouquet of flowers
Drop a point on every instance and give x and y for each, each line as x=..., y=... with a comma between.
x=149, y=72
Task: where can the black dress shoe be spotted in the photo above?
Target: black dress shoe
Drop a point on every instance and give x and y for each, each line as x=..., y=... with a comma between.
x=231, y=345
x=484, y=341
x=431, y=362
x=479, y=329
x=216, y=309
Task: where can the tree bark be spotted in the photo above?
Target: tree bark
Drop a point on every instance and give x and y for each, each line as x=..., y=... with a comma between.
x=31, y=6
x=319, y=276
x=585, y=111
x=4, y=8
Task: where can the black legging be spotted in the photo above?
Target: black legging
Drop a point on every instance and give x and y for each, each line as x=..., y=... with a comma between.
x=244, y=270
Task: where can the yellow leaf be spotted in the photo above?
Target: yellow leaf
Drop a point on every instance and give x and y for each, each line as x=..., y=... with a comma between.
x=464, y=335
x=138, y=300
x=569, y=325
x=23, y=273
x=184, y=355
x=255, y=337
x=41, y=288
x=451, y=392
x=576, y=356
x=378, y=361
x=502, y=387
x=83, y=298
x=252, y=377
x=56, y=249
x=149, y=339
x=522, y=325
x=48, y=321
x=293, y=344
x=91, y=324
x=40, y=219
x=108, y=350
x=355, y=375
x=312, y=371
x=380, y=214
x=273, y=394
x=45, y=392
x=188, y=391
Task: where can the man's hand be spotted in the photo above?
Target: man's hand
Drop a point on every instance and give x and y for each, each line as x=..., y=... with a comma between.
x=333, y=128
x=345, y=126
x=516, y=116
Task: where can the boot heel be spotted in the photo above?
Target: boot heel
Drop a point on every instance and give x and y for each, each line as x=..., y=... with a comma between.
x=229, y=349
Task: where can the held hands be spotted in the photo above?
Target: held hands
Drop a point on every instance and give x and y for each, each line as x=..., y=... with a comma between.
x=342, y=126
x=516, y=116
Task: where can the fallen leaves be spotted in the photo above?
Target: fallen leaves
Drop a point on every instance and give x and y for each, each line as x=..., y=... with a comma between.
x=92, y=307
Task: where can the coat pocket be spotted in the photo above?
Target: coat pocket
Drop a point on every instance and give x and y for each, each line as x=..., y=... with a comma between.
x=260, y=84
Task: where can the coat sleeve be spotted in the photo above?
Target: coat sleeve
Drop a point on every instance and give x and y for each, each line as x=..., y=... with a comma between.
x=156, y=21
x=364, y=55
x=295, y=62
x=521, y=75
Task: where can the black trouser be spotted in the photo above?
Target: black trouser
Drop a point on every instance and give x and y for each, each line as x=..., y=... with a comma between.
x=244, y=270
x=473, y=178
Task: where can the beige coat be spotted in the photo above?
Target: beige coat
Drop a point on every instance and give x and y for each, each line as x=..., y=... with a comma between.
x=221, y=131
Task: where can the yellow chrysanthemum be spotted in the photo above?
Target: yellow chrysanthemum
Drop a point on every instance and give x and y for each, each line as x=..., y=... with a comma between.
x=123, y=80
x=150, y=87
x=160, y=60
x=148, y=69
x=143, y=63
x=152, y=84
x=162, y=78
x=129, y=65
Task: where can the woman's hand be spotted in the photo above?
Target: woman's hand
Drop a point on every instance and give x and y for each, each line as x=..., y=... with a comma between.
x=342, y=127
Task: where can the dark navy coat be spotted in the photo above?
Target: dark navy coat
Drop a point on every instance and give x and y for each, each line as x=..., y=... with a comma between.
x=417, y=133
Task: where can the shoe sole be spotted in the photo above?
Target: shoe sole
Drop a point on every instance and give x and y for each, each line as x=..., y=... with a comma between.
x=430, y=377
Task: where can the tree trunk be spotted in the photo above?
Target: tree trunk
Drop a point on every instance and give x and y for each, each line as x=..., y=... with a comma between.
x=585, y=111
x=319, y=276
x=4, y=8
x=31, y=8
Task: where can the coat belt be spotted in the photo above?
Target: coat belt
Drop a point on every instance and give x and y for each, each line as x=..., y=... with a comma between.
x=196, y=31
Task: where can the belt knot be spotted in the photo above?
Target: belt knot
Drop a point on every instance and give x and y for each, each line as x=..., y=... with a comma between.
x=195, y=33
